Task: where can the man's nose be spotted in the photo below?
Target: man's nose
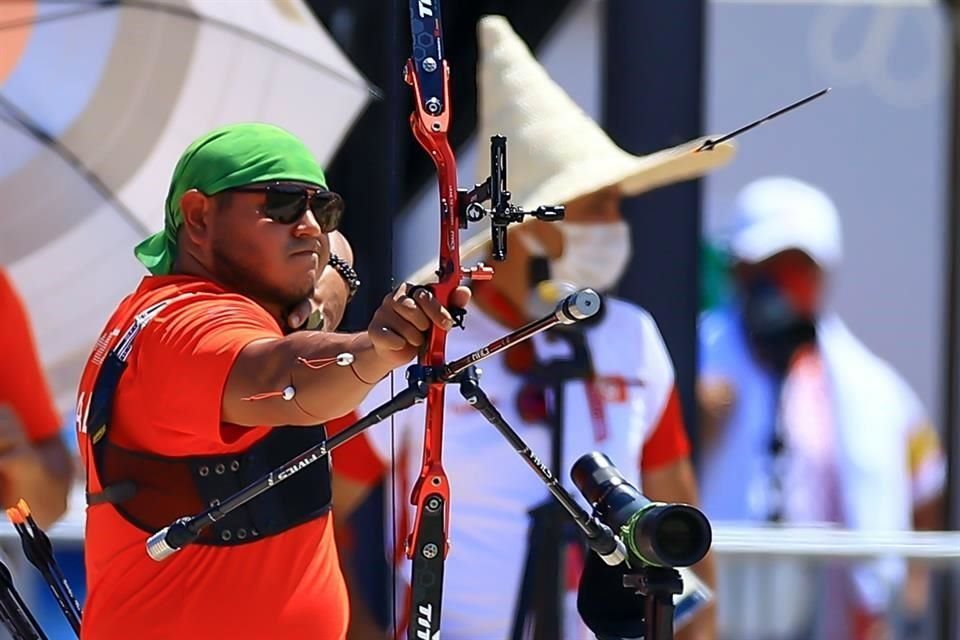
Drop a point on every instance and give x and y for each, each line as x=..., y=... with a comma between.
x=308, y=226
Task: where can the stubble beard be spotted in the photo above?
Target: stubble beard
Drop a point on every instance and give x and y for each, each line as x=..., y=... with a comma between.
x=249, y=281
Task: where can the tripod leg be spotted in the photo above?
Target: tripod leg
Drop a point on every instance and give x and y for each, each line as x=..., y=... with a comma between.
x=475, y=396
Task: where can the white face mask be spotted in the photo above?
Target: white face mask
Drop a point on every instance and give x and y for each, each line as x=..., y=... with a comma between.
x=595, y=254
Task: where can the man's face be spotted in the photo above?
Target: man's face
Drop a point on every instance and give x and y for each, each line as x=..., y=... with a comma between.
x=781, y=298
x=793, y=273
x=596, y=208
x=275, y=261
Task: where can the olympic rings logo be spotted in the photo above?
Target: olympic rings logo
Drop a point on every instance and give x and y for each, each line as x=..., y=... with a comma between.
x=870, y=62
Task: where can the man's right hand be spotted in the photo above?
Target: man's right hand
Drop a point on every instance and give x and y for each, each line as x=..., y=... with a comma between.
x=399, y=326
x=715, y=400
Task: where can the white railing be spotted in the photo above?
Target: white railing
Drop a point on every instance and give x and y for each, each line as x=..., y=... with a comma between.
x=735, y=540
x=828, y=542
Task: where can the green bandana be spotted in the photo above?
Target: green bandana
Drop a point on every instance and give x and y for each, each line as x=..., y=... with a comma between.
x=228, y=157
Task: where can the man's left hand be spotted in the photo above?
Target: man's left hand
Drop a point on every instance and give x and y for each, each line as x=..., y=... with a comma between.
x=316, y=313
x=12, y=435
x=21, y=468
x=330, y=294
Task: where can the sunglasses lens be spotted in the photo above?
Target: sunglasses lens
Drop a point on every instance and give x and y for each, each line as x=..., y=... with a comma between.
x=284, y=205
x=327, y=208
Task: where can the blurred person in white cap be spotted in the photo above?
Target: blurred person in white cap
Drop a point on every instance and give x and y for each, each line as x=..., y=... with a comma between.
x=803, y=424
x=627, y=406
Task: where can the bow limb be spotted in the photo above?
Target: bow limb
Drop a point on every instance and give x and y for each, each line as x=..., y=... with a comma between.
x=428, y=543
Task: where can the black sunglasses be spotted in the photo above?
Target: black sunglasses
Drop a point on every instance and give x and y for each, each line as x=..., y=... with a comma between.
x=286, y=203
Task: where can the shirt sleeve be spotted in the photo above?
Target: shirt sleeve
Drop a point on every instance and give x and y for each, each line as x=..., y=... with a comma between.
x=183, y=358
x=669, y=442
x=23, y=385
x=927, y=462
x=665, y=440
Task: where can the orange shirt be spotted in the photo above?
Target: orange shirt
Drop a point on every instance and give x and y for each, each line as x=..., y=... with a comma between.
x=168, y=402
x=23, y=386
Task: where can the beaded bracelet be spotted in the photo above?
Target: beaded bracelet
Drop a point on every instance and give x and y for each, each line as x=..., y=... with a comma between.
x=347, y=272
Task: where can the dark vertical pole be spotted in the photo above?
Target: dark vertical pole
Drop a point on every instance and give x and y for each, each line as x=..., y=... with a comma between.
x=653, y=99
x=949, y=627
x=368, y=171
x=369, y=167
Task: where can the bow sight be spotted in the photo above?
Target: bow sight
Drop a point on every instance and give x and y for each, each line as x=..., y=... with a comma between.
x=502, y=212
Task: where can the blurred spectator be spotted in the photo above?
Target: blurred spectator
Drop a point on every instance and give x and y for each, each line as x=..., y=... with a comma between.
x=801, y=422
x=620, y=399
x=714, y=276
x=34, y=461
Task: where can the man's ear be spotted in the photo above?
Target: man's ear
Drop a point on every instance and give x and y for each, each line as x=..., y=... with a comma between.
x=196, y=208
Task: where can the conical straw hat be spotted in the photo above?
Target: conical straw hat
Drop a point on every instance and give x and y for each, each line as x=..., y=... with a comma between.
x=555, y=151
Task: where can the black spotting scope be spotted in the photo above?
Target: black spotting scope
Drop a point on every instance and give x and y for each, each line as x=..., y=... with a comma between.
x=655, y=533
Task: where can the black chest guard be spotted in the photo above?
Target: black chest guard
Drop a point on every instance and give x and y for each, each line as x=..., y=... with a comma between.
x=150, y=490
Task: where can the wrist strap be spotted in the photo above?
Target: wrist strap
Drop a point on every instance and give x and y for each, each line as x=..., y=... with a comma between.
x=353, y=364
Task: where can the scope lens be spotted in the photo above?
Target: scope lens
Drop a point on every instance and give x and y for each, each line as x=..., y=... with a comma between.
x=681, y=536
x=678, y=534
